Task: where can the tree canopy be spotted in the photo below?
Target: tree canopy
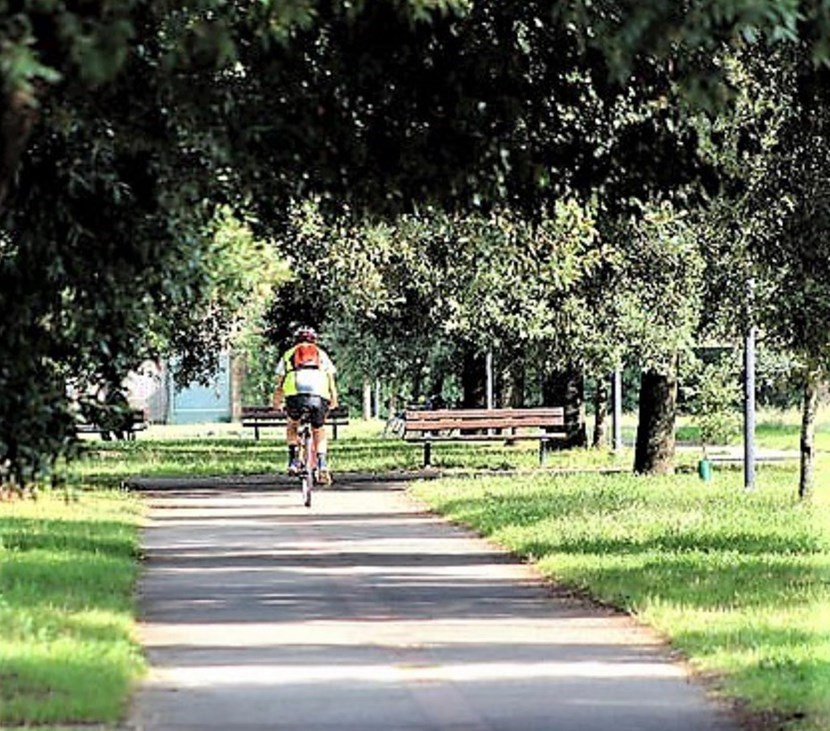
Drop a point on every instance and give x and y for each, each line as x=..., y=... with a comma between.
x=125, y=126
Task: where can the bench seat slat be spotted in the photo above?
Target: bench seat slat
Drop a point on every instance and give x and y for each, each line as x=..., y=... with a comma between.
x=549, y=411
x=491, y=423
x=485, y=437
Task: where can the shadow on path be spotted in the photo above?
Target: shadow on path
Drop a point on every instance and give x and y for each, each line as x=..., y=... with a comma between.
x=368, y=613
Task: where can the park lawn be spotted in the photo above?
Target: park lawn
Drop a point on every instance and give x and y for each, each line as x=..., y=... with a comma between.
x=359, y=448
x=68, y=567
x=738, y=582
x=228, y=449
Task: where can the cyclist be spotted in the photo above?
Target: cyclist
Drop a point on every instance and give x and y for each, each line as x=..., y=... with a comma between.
x=305, y=381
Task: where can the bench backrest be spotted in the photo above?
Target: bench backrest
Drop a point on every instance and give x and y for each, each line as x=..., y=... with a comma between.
x=253, y=413
x=136, y=421
x=418, y=420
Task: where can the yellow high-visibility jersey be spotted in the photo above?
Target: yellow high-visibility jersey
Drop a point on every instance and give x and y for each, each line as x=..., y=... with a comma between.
x=315, y=381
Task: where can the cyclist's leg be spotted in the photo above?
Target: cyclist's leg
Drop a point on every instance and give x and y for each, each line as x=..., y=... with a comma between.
x=292, y=436
x=307, y=450
x=318, y=426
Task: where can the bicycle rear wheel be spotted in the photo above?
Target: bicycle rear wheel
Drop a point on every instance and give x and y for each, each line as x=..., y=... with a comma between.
x=308, y=468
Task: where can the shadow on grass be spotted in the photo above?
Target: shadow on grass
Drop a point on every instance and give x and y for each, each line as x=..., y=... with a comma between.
x=41, y=689
x=67, y=565
x=107, y=465
x=630, y=547
x=776, y=662
x=730, y=577
x=66, y=601
x=692, y=581
x=76, y=537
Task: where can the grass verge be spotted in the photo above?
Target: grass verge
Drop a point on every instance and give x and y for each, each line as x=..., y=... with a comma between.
x=67, y=576
x=739, y=583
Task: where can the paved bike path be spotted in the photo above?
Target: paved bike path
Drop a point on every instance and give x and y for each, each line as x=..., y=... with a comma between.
x=365, y=613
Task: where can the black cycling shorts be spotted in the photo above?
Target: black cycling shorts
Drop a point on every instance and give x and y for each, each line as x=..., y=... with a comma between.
x=315, y=406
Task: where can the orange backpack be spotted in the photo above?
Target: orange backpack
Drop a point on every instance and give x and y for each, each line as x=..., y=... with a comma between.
x=305, y=355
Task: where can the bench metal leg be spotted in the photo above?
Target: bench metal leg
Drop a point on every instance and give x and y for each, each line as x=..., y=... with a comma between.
x=256, y=433
x=427, y=454
x=543, y=447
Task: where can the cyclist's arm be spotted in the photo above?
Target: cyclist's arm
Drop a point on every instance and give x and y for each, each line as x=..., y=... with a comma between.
x=278, y=400
x=329, y=369
x=333, y=400
x=279, y=397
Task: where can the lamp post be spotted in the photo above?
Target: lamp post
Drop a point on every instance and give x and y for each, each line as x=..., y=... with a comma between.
x=489, y=366
x=749, y=397
x=749, y=410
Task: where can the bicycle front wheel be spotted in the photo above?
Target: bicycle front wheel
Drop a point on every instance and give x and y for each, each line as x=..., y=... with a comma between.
x=308, y=480
x=308, y=468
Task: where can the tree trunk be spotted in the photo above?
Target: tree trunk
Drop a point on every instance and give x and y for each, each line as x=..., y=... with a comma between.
x=513, y=385
x=654, y=453
x=238, y=371
x=436, y=386
x=367, y=399
x=473, y=380
x=567, y=388
x=601, y=402
x=808, y=431
x=17, y=118
x=417, y=384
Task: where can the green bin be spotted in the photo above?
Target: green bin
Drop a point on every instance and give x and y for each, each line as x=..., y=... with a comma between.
x=704, y=469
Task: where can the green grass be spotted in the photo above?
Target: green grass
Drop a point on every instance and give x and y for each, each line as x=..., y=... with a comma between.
x=359, y=448
x=67, y=572
x=739, y=583
x=109, y=463
x=228, y=449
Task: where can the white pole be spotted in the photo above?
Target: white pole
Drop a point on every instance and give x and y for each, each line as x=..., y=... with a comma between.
x=749, y=410
x=367, y=399
x=489, y=362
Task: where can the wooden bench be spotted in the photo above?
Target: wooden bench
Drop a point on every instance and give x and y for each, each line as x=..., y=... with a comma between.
x=544, y=424
x=136, y=421
x=261, y=417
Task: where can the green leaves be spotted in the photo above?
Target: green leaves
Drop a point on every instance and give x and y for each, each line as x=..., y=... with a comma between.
x=20, y=67
x=663, y=270
x=486, y=155
x=712, y=394
x=100, y=52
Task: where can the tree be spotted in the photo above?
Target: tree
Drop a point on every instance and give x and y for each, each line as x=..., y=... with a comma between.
x=662, y=311
x=795, y=267
x=113, y=156
x=774, y=147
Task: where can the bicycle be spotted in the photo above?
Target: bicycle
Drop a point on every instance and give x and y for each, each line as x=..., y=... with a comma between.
x=395, y=425
x=307, y=458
